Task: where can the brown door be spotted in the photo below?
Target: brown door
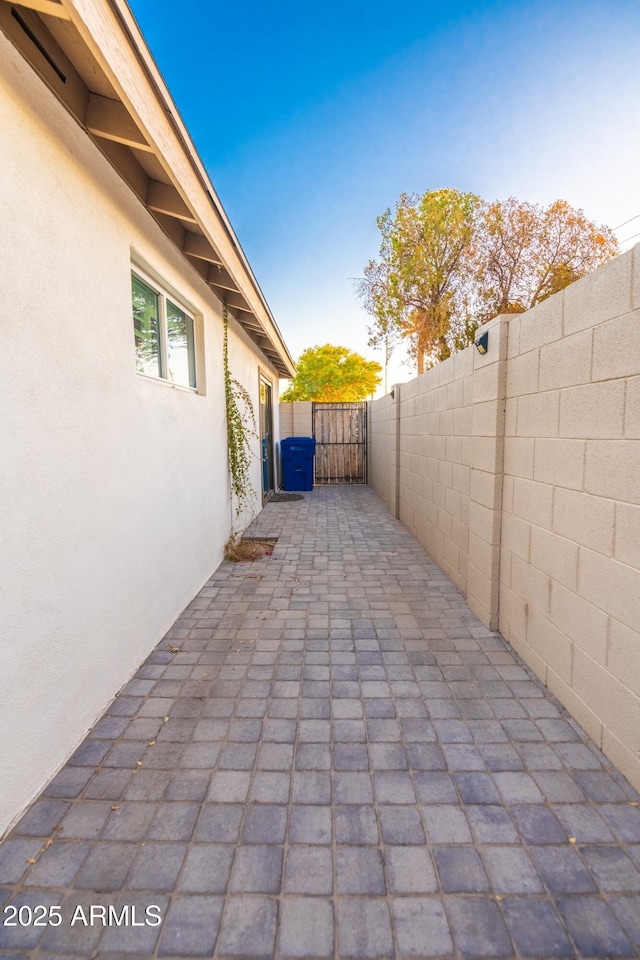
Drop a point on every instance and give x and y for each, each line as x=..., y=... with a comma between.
x=266, y=436
x=340, y=431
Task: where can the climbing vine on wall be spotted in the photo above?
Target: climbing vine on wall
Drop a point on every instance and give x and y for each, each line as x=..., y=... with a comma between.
x=241, y=431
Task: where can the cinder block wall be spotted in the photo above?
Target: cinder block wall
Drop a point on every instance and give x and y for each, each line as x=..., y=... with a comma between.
x=520, y=473
x=382, y=435
x=570, y=559
x=435, y=425
x=286, y=420
x=296, y=419
x=435, y=457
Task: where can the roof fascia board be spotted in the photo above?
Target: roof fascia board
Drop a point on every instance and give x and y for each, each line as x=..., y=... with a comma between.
x=53, y=8
x=111, y=34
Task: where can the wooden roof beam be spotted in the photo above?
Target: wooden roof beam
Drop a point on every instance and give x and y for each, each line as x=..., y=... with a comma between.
x=110, y=120
x=164, y=198
x=221, y=279
x=238, y=302
x=195, y=245
x=267, y=348
x=50, y=7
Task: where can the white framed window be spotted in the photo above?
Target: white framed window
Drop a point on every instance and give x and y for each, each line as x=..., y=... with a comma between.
x=164, y=333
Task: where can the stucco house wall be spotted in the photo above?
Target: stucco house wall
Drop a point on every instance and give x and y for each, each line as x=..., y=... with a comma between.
x=115, y=489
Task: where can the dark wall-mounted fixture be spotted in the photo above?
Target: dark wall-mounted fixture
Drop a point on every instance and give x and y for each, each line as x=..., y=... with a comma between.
x=393, y=394
x=482, y=343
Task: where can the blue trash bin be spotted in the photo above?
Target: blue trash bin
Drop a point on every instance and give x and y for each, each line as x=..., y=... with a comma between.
x=297, y=463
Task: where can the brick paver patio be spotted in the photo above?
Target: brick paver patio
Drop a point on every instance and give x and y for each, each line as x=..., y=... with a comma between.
x=339, y=760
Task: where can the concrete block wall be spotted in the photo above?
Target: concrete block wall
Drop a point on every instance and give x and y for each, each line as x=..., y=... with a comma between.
x=519, y=472
x=435, y=458
x=485, y=454
x=570, y=557
x=434, y=506
x=296, y=419
x=382, y=448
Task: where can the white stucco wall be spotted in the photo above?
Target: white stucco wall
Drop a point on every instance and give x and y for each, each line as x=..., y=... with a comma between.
x=114, y=488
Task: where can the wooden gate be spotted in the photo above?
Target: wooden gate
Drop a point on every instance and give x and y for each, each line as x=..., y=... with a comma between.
x=340, y=431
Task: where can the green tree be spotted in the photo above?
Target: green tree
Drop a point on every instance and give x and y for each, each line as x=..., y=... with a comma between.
x=385, y=332
x=450, y=261
x=333, y=374
x=525, y=253
x=425, y=264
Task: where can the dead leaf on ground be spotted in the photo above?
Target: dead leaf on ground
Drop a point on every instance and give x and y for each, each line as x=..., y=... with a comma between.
x=240, y=550
x=44, y=847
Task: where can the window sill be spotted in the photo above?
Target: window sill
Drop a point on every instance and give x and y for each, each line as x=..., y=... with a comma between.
x=167, y=383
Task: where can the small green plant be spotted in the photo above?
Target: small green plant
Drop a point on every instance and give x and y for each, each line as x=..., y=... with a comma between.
x=241, y=431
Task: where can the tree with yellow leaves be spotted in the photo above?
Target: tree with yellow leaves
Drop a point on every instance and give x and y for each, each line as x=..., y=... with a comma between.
x=525, y=253
x=426, y=262
x=450, y=261
x=332, y=374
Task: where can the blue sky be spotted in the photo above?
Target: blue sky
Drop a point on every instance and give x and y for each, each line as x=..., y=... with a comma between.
x=312, y=119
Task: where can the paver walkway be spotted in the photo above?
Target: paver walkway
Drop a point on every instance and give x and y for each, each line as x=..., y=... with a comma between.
x=338, y=761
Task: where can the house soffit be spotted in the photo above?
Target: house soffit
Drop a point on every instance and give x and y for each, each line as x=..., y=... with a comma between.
x=115, y=91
